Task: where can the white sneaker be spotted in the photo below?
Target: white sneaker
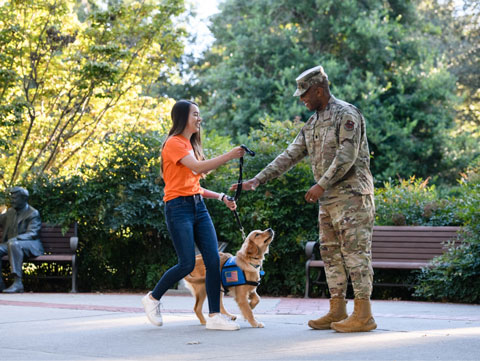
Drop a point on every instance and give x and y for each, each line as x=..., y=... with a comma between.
x=152, y=309
x=221, y=322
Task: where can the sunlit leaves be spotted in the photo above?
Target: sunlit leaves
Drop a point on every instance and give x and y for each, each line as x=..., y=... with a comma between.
x=67, y=81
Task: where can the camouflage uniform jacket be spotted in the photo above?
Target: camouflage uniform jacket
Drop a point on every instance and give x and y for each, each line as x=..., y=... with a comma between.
x=336, y=142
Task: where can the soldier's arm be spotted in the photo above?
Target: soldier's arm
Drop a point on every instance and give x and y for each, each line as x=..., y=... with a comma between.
x=294, y=153
x=350, y=131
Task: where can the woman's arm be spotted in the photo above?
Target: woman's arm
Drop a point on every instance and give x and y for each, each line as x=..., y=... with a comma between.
x=221, y=197
x=204, y=166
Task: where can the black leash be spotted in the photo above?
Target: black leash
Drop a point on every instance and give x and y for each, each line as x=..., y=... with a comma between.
x=239, y=187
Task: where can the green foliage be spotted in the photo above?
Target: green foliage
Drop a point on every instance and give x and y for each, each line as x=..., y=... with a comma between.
x=413, y=202
x=469, y=204
x=73, y=72
x=454, y=276
x=119, y=209
x=375, y=54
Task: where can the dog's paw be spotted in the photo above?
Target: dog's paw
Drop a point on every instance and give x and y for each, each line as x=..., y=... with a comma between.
x=260, y=325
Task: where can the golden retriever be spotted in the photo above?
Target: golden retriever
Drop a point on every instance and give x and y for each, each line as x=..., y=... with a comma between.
x=249, y=259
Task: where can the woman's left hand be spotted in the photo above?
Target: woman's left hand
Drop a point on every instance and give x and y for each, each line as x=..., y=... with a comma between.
x=230, y=203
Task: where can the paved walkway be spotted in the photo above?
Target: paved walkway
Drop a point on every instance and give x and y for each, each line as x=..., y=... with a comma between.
x=95, y=326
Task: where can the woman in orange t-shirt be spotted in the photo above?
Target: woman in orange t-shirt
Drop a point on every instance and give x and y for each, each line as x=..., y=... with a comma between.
x=188, y=220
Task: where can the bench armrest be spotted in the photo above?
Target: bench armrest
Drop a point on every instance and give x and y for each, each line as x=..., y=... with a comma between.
x=310, y=249
x=73, y=243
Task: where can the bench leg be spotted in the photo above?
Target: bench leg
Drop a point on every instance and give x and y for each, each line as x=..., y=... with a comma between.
x=307, y=278
x=74, y=274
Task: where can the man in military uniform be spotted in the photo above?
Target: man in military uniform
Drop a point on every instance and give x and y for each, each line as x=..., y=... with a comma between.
x=335, y=140
x=21, y=226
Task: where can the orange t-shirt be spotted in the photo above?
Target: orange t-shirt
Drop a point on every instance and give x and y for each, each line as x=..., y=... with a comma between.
x=179, y=180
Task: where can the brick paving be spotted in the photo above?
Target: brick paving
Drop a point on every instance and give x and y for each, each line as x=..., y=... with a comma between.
x=282, y=306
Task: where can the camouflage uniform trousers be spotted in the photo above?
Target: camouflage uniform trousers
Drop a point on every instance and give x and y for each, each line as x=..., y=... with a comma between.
x=346, y=228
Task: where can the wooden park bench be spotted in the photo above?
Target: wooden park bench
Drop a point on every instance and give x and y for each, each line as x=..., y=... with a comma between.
x=393, y=247
x=60, y=248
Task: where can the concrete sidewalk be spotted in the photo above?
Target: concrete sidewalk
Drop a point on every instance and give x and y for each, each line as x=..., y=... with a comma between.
x=95, y=326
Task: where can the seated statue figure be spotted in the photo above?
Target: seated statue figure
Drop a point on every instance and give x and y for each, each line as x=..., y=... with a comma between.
x=21, y=226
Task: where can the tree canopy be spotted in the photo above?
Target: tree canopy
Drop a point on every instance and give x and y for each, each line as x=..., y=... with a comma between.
x=71, y=73
x=378, y=55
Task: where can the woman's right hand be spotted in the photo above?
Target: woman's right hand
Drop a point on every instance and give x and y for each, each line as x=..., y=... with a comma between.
x=236, y=152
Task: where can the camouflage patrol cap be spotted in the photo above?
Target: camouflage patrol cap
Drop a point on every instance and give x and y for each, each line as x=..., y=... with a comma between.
x=309, y=77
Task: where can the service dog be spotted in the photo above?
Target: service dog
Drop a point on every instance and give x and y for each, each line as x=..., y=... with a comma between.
x=249, y=259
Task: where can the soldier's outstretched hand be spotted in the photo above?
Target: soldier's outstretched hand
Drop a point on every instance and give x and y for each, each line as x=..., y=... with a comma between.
x=249, y=185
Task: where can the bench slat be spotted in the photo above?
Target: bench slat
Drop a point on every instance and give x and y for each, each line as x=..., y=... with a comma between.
x=396, y=249
x=406, y=239
x=415, y=228
x=384, y=264
x=399, y=265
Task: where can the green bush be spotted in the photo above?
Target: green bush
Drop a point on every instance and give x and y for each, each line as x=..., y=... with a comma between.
x=119, y=209
x=455, y=275
x=415, y=203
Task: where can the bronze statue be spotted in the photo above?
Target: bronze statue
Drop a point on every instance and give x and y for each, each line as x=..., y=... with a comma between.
x=21, y=226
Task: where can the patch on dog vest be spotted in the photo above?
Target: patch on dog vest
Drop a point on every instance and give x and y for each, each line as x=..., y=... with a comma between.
x=232, y=275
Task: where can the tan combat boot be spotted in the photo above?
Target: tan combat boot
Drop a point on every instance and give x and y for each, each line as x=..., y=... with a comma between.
x=361, y=320
x=337, y=312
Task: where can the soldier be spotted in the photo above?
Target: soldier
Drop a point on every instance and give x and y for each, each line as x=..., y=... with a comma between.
x=335, y=140
x=21, y=226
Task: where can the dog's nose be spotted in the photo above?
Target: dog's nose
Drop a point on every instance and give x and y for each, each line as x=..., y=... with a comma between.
x=270, y=230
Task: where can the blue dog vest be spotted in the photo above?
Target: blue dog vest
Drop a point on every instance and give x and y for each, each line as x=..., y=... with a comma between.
x=232, y=275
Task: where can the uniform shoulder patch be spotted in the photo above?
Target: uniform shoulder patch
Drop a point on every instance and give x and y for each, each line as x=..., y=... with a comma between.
x=349, y=125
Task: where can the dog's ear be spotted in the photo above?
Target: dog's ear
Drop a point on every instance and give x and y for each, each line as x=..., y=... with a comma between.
x=252, y=249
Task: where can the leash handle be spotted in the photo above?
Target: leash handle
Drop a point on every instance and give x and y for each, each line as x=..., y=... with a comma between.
x=249, y=151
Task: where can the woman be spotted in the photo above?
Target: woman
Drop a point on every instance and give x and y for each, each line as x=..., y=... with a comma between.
x=188, y=220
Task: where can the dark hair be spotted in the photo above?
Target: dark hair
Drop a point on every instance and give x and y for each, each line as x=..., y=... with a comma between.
x=179, y=114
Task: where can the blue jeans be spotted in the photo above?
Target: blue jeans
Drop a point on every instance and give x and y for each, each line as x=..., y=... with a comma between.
x=189, y=222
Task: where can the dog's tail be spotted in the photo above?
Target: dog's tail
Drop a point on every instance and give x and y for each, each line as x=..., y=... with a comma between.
x=189, y=281
x=194, y=280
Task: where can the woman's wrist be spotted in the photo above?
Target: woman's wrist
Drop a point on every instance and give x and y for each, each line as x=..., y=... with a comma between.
x=221, y=197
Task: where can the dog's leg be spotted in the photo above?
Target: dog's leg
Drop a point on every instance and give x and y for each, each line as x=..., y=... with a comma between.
x=199, y=299
x=254, y=299
x=247, y=312
x=223, y=310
